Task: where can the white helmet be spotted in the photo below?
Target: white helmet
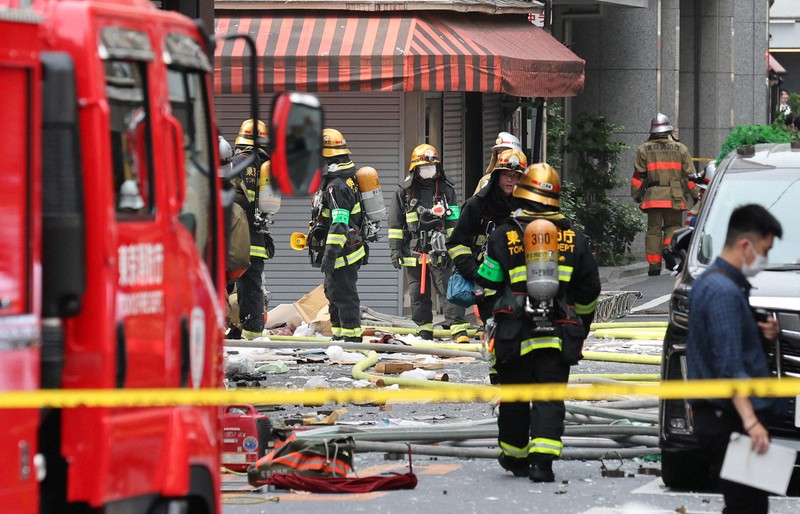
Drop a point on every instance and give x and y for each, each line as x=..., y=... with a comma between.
x=225, y=151
x=660, y=124
x=129, y=197
x=507, y=141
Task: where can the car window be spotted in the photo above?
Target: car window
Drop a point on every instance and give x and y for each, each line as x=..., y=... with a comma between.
x=776, y=189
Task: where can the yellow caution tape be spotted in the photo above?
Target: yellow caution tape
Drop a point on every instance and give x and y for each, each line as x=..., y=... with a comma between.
x=71, y=398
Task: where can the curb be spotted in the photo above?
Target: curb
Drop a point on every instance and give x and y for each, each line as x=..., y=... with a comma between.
x=610, y=274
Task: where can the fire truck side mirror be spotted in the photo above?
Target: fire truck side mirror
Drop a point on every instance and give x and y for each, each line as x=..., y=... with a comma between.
x=296, y=143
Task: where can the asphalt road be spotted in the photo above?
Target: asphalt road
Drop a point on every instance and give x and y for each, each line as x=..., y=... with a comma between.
x=480, y=485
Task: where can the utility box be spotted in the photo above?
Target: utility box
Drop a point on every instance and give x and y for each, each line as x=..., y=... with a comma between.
x=246, y=436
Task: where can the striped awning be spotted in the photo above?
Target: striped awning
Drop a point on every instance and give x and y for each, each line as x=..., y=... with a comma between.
x=398, y=51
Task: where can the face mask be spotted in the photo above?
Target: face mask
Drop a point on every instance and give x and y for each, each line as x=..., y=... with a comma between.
x=755, y=267
x=427, y=172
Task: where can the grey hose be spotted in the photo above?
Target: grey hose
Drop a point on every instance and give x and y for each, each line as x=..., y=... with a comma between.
x=482, y=453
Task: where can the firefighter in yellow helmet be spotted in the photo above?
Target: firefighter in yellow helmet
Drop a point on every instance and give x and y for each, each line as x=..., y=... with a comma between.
x=661, y=185
x=337, y=236
x=422, y=216
x=252, y=140
x=535, y=338
x=481, y=213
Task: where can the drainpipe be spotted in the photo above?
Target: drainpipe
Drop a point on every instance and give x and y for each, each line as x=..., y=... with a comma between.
x=658, y=58
x=697, y=54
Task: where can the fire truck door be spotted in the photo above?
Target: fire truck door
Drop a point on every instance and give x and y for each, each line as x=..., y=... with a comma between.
x=19, y=255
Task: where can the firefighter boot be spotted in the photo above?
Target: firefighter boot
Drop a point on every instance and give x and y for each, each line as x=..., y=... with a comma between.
x=461, y=338
x=426, y=334
x=250, y=335
x=541, y=469
x=518, y=467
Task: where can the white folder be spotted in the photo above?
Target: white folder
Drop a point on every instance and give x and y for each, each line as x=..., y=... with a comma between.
x=770, y=471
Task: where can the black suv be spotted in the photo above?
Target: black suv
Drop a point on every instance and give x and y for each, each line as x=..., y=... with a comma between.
x=767, y=174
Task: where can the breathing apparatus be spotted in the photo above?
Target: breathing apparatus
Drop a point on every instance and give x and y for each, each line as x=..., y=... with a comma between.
x=269, y=199
x=372, y=200
x=540, y=242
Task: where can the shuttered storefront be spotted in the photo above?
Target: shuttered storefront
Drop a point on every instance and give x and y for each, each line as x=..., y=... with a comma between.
x=491, y=124
x=453, y=152
x=371, y=123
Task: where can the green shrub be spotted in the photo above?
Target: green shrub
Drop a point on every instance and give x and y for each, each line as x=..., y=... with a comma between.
x=744, y=135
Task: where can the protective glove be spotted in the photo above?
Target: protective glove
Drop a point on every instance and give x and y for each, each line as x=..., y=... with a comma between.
x=269, y=244
x=327, y=264
x=397, y=257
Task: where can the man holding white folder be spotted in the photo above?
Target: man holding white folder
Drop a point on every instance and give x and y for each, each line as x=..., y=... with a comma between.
x=724, y=341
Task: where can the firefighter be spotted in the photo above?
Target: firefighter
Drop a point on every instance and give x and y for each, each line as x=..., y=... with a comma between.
x=536, y=345
x=337, y=238
x=250, y=289
x=505, y=141
x=422, y=216
x=661, y=186
x=481, y=213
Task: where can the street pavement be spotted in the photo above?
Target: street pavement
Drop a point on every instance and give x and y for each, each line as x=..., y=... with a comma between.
x=458, y=485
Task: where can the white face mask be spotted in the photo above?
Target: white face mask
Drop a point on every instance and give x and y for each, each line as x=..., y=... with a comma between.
x=755, y=267
x=428, y=171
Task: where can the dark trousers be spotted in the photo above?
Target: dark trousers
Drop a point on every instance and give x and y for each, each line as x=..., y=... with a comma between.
x=342, y=294
x=518, y=422
x=251, y=296
x=713, y=428
x=436, y=283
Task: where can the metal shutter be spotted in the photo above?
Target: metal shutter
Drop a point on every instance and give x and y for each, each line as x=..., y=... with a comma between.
x=453, y=152
x=371, y=123
x=491, y=123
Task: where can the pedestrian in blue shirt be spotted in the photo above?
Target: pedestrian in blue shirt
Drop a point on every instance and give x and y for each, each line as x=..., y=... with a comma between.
x=725, y=341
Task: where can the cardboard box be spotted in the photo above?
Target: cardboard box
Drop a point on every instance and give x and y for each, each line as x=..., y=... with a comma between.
x=313, y=307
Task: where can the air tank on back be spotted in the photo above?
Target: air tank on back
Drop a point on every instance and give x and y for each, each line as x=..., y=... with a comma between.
x=541, y=260
x=269, y=200
x=370, y=186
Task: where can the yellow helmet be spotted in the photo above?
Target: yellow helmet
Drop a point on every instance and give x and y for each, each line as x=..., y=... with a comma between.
x=245, y=137
x=512, y=160
x=333, y=143
x=539, y=183
x=423, y=154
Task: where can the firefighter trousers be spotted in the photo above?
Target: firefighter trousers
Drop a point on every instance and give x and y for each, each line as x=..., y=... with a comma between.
x=251, y=296
x=532, y=428
x=344, y=305
x=422, y=304
x=661, y=224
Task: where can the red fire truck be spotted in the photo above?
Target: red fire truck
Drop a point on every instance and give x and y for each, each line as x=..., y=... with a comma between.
x=113, y=254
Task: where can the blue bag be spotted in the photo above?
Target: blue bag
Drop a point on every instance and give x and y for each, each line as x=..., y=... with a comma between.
x=459, y=290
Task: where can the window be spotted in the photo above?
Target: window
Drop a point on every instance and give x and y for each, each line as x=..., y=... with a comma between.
x=776, y=189
x=187, y=79
x=190, y=107
x=130, y=138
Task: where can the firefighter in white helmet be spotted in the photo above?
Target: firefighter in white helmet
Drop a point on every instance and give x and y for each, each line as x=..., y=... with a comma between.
x=661, y=185
x=481, y=213
x=422, y=216
x=538, y=326
x=505, y=141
